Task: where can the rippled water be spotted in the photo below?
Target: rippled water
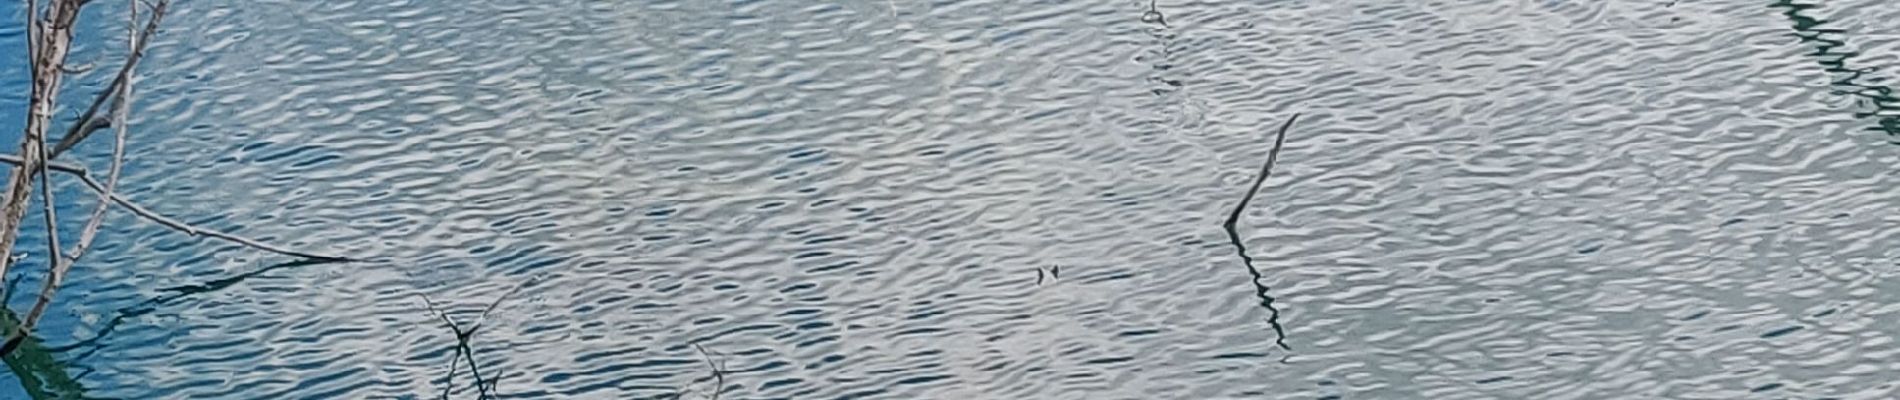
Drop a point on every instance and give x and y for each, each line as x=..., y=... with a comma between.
x=859, y=200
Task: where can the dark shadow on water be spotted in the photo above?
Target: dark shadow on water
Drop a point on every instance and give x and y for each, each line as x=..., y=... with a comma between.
x=1233, y=234
x=220, y=284
x=43, y=375
x=174, y=294
x=1834, y=55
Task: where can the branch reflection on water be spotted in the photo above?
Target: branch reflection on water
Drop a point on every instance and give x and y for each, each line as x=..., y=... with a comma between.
x=1834, y=55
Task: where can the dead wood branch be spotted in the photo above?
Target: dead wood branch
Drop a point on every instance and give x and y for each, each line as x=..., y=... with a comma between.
x=54, y=274
x=121, y=107
x=86, y=177
x=122, y=93
x=90, y=121
x=50, y=34
x=51, y=39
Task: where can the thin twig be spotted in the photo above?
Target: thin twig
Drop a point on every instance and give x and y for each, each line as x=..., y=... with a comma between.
x=121, y=107
x=55, y=273
x=1154, y=12
x=175, y=294
x=89, y=121
x=86, y=177
x=1233, y=234
x=438, y=312
x=491, y=306
x=1266, y=170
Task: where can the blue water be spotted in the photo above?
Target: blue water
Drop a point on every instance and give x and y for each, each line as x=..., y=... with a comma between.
x=864, y=200
x=14, y=84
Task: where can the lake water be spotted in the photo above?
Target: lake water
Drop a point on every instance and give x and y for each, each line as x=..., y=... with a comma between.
x=1531, y=199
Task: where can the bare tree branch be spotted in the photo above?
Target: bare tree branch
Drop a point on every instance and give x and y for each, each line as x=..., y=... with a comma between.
x=61, y=265
x=86, y=177
x=89, y=121
x=460, y=340
x=494, y=382
x=121, y=106
x=49, y=40
x=55, y=274
x=49, y=54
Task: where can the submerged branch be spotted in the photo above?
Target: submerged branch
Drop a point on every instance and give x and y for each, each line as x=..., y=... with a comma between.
x=1233, y=234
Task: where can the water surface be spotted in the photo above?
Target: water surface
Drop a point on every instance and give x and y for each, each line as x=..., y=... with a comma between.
x=852, y=200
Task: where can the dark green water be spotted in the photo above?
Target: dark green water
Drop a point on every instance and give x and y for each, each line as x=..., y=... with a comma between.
x=863, y=200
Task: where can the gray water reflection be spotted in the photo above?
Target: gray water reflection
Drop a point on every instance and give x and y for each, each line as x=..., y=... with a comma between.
x=1483, y=199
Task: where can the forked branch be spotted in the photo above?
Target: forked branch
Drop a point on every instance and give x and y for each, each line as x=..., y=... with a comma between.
x=485, y=386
